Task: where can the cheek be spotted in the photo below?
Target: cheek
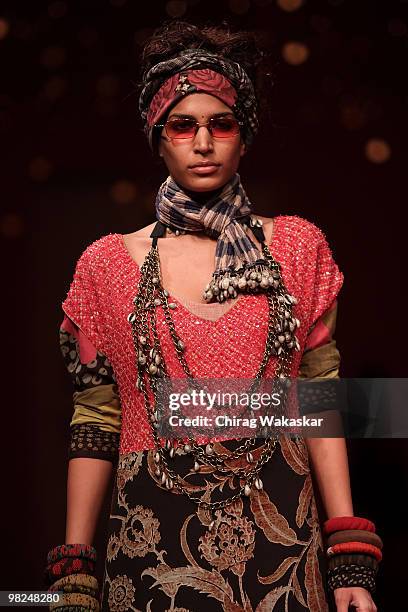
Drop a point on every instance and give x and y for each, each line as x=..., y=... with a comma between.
x=232, y=156
x=174, y=157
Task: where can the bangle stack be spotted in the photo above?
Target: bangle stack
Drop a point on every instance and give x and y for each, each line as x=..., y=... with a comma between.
x=70, y=570
x=354, y=552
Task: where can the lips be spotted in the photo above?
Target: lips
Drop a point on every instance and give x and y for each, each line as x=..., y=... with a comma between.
x=204, y=165
x=204, y=169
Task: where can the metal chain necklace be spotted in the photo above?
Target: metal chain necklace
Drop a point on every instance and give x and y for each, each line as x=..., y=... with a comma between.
x=151, y=366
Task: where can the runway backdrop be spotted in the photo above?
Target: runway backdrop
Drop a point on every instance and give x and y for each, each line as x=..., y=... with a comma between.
x=75, y=166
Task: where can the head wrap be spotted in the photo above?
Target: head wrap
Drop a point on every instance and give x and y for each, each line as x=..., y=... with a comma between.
x=167, y=82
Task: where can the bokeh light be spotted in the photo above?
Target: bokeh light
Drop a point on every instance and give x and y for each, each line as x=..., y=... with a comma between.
x=39, y=169
x=11, y=225
x=397, y=27
x=289, y=5
x=53, y=57
x=124, y=192
x=295, y=53
x=4, y=28
x=377, y=150
x=176, y=8
x=57, y=9
x=239, y=7
x=357, y=110
x=55, y=88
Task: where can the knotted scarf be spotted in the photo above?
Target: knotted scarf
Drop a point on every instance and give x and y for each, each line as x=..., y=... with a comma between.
x=239, y=264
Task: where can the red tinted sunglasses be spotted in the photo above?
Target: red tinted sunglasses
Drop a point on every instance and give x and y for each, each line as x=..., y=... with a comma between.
x=219, y=127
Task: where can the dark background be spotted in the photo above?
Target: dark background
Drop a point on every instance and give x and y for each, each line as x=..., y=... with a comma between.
x=75, y=166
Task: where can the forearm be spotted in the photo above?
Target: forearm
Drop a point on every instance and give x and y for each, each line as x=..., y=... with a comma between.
x=329, y=463
x=88, y=480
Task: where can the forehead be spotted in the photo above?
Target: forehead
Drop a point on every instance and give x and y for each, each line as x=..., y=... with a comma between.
x=200, y=105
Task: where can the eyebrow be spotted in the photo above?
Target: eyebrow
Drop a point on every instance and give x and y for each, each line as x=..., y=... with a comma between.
x=184, y=116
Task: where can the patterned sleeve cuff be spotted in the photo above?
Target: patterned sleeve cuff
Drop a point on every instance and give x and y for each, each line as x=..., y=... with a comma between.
x=321, y=357
x=91, y=441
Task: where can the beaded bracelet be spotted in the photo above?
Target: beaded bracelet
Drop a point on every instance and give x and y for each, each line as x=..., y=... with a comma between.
x=76, y=599
x=72, y=588
x=351, y=575
x=67, y=566
x=84, y=580
x=84, y=551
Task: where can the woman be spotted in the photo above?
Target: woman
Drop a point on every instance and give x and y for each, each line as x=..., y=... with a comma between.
x=207, y=523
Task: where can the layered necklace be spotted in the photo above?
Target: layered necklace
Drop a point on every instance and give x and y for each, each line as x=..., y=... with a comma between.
x=281, y=341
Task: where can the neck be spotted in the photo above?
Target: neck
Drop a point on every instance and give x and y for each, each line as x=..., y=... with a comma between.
x=201, y=196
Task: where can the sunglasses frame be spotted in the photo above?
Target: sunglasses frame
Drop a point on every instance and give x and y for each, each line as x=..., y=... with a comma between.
x=207, y=124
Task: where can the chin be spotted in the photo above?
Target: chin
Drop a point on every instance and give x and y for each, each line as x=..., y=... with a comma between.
x=204, y=183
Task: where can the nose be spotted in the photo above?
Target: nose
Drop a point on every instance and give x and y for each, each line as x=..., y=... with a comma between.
x=203, y=141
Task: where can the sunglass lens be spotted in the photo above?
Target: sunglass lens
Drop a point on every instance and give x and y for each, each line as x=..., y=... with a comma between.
x=180, y=128
x=222, y=127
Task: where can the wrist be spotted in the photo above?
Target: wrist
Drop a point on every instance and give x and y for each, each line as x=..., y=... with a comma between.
x=354, y=550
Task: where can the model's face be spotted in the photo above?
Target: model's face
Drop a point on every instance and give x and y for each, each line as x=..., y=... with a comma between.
x=180, y=155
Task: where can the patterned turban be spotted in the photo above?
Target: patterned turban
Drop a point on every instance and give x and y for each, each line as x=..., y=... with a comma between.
x=195, y=70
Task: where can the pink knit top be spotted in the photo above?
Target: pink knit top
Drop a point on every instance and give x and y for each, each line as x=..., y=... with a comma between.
x=101, y=295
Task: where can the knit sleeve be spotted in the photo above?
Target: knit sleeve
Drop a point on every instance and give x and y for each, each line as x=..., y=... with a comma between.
x=96, y=421
x=82, y=304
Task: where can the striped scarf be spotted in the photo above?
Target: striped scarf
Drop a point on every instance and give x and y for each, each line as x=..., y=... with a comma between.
x=239, y=264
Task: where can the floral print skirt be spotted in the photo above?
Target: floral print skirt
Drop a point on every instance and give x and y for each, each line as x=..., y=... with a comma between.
x=263, y=553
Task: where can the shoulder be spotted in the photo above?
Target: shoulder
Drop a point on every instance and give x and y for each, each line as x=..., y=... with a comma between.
x=301, y=234
x=302, y=245
x=97, y=253
x=293, y=225
x=109, y=241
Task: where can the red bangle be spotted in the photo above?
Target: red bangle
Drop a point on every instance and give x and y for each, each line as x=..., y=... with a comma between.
x=351, y=547
x=84, y=551
x=68, y=566
x=338, y=523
